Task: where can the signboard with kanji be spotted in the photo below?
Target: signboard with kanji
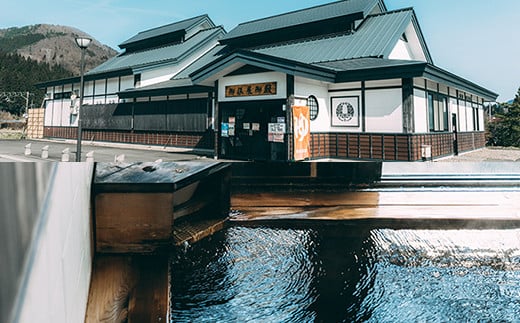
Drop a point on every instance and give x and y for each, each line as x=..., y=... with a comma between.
x=254, y=89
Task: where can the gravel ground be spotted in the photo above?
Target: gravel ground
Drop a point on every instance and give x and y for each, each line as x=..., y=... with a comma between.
x=488, y=154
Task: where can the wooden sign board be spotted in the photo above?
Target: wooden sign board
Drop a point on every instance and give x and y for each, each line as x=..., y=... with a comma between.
x=254, y=89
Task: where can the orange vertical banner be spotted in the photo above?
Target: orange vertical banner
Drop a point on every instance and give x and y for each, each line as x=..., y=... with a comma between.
x=302, y=132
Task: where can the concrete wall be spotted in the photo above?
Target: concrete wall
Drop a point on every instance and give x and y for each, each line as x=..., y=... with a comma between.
x=57, y=273
x=22, y=191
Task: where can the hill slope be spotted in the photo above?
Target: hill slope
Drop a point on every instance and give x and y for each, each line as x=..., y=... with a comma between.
x=40, y=53
x=54, y=45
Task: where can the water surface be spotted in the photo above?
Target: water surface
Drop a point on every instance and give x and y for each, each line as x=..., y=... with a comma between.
x=340, y=273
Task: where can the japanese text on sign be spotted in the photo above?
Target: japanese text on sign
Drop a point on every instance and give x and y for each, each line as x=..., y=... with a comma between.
x=255, y=89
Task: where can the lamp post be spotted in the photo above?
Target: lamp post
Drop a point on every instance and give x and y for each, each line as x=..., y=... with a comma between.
x=82, y=43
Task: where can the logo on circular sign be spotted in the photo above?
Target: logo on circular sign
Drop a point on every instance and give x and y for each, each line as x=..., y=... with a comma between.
x=345, y=111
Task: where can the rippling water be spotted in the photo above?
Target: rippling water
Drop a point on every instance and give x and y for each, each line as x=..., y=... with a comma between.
x=344, y=274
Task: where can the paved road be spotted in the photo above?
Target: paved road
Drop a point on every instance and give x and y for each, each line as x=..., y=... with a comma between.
x=14, y=151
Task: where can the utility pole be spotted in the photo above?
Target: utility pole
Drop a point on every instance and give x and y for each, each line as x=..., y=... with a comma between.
x=10, y=96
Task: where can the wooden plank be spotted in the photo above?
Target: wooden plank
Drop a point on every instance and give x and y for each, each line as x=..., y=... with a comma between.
x=128, y=289
x=133, y=222
x=149, y=302
x=378, y=205
x=317, y=199
x=113, y=279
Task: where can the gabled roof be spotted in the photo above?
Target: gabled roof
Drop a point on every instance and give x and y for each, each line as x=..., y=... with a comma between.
x=167, y=54
x=177, y=29
x=355, y=9
x=375, y=37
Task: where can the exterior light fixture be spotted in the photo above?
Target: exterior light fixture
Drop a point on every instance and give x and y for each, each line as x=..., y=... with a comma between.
x=82, y=43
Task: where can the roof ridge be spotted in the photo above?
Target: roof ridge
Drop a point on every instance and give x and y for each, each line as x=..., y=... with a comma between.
x=291, y=12
x=304, y=40
x=174, y=23
x=391, y=12
x=173, y=43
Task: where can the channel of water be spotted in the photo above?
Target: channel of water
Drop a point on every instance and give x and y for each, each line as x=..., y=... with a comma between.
x=343, y=273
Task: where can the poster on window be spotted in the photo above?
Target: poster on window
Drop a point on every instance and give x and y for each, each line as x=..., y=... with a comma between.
x=302, y=132
x=345, y=111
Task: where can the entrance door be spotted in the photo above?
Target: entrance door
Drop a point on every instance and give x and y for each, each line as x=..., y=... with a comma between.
x=244, y=130
x=455, y=134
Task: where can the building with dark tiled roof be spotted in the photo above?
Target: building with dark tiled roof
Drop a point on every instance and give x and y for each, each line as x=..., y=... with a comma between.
x=348, y=79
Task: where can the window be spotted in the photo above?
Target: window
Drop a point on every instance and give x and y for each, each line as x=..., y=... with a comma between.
x=137, y=80
x=437, y=112
x=314, y=108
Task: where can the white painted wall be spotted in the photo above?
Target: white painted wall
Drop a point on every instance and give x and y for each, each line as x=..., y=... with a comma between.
x=279, y=78
x=303, y=88
x=420, y=111
x=56, y=113
x=469, y=117
x=384, y=110
x=127, y=82
x=89, y=88
x=401, y=51
x=65, y=113
x=112, y=85
x=414, y=44
x=462, y=116
x=162, y=74
x=453, y=109
x=48, y=113
x=58, y=278
x=482, y=125
x=348, y=93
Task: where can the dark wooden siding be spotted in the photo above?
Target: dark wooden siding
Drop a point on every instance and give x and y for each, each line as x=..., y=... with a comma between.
x=107, y=116
x=178, y=115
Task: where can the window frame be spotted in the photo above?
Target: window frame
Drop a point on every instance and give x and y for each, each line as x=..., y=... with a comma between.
x=316, y=108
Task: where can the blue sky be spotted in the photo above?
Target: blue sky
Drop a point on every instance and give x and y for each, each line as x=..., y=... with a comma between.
x=475, y=39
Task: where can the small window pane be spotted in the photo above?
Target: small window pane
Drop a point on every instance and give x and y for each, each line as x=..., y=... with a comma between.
x=312, y=103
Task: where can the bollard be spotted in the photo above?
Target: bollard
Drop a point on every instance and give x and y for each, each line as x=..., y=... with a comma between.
x=65, y=155
x=45, y=152
x=28, y=150
x=90, y=157
x=119, y=158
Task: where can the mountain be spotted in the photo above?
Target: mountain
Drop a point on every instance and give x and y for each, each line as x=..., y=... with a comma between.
x=54, y=45
x=41, y=53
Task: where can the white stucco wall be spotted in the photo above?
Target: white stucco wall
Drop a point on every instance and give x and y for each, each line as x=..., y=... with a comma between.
x=481, y=118
x=453, y=110
x=420, y=111
x=279, y=78
x=65, y=113
x=469, y=116
x=384, y=110
x=58, y=276
x=127, y=82
x=56, y=113
x=162, y=74
x=401, y=51
x=89, y=88
x=303, y=88
x=346, y=93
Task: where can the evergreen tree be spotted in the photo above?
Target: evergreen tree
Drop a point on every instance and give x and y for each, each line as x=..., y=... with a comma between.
x=505, y=129
x=18, y=74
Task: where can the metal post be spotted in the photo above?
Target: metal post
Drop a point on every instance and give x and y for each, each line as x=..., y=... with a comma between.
x=81, y=90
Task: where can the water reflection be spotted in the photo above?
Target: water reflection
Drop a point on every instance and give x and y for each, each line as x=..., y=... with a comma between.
x=345, y=274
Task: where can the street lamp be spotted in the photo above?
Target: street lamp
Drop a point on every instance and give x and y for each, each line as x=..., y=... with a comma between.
x=82, y=43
